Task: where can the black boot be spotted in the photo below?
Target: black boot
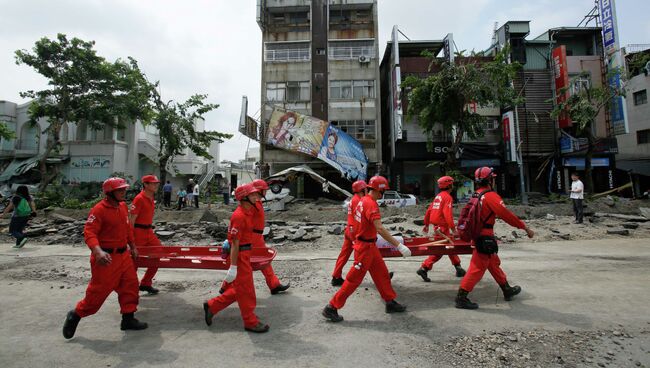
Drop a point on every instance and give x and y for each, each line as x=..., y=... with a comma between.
x=460, y=272
x=129, y=322
x=280, y=289
x=463, y=302
x=337, y=281
x=510, y=291
x=395, y=307
x=390, y=274
x=331, y=313
x=207, y=314
x=70, y=324
x=149, y=289
x=423, y=273
x=258, y=328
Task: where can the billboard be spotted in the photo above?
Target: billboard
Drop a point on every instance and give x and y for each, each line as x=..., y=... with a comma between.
x=507, y=121
x=311, y=136
x=561, y=73
x=395, y=87
x=614, y=60
x=247, y=125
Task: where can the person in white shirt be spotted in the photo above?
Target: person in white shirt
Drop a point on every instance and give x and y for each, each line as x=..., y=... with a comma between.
x=577, y=195
x=195, y=195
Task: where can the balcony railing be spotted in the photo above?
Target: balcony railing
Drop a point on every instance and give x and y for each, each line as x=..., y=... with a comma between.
x=351, y=52
x=288, y=55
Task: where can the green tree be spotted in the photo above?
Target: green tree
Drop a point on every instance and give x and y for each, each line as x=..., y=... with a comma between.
x=443, y=97
x=582, y=107
x=175, y=123
x=83, y=87
x=6, y=132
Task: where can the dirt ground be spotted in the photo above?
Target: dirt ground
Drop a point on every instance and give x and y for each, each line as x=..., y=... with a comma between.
x=585, y=303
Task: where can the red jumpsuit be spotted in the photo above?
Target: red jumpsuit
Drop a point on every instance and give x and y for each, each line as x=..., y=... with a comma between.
x=492, y=207
x=272, y=280
x=366, y=256
x=143, y=208
x=243, y=289
x=440, y=215
x=348, y=239
x=108, y=226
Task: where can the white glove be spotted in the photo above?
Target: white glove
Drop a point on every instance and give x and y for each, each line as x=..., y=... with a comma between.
x=232, y=274
x=406, y=252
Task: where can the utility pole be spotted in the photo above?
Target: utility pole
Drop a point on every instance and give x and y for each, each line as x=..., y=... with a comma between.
x=520, y=159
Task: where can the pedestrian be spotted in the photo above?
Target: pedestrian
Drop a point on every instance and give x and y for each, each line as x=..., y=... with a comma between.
x=181, y=198
x=272, y=281
x=109, y=236
x=24, y=209
x=195, y=195
x=359, y=189
x=367, y=224
x=167, y=194
x=226, y=193
x=484, y=255
x=240, y=272
x=141, y=218
x=440, y=215
x=189, y=189
x=577, y=196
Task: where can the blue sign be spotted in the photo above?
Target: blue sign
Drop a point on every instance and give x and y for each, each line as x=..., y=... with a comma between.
x=579, y=162
x=566, y=144
x=480, y=163
x=344, y=153
x=608, y=21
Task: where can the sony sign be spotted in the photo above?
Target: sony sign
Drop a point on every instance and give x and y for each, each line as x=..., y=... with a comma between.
x=446, y=149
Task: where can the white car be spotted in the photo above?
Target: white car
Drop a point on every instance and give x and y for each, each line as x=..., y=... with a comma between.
x=392, y=198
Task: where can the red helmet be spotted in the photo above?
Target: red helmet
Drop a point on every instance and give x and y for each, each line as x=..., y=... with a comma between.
x=260, y=184
x=244, y=191
x=358, y=186
x=112, y=184
x=378, y=183
x=150, y=179
x=483, y=173
x=445, y=182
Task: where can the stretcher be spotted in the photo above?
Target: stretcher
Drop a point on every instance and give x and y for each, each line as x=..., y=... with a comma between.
x=199, y=257
x=429, y=246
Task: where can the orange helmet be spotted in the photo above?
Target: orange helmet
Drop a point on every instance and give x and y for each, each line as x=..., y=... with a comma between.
x=378, y=183
x=150, y=179
x=243, y=191
x=358, y=186
x=445, y=182
x=260, y=184
x=112, y=184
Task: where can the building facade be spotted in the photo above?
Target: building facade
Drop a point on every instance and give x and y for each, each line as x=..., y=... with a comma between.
x=320, y=58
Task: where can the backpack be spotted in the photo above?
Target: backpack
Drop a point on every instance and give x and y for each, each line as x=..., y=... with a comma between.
x=469, y=223
x=23, y=209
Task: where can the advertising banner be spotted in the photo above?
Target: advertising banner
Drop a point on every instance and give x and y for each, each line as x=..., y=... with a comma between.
x=300, y=133
x=507, y=121
x=561, y=72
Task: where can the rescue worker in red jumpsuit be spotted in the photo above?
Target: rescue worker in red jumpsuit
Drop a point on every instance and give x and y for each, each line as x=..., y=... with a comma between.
x=109, y=236
x=440, y=215
x=484, y=256
x=272, y=280
x=359, y=190
x=141, y=217
x=240, y=273
x=367, y=224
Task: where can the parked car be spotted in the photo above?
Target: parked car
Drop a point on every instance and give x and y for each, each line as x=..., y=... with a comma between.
x=392, y=198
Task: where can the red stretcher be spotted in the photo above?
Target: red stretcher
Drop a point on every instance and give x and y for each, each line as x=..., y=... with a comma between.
x=199, y=257
x=429, y=246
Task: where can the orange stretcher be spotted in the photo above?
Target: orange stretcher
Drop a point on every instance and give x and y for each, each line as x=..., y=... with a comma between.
x=199, y=257
x=429, y=246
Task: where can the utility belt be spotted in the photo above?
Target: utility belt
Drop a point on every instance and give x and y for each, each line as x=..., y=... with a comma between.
x=143, y=226
x=115, y=250
x=488, y=226
x=258, y=231
x=487, y=245
x=244, y=247
x=366, y=240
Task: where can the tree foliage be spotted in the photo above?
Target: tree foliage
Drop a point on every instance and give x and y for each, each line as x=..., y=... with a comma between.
x=176, y=125
x=443, y=97
x=6, y=132
x=82, y=87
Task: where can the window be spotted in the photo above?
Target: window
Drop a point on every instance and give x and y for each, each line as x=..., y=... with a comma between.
x=391, y=195
x=640, y=97
x=579, y=83
x=298, y=18
x=352, y=90
x=121, y=134
x=287, y=91
x=82, y=128
x=358, y=129
x=351, y=50
x=287, y=51
x=643, y=136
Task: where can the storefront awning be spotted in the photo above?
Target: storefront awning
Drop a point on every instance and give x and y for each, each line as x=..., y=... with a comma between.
x=641, y=167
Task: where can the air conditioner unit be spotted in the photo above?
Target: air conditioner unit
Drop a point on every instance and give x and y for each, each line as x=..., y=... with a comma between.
x=363, y=59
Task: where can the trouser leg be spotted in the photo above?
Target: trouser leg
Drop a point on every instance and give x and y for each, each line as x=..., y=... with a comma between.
x=477, y=266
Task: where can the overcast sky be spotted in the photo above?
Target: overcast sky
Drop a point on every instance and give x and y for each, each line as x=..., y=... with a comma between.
x=214, y=46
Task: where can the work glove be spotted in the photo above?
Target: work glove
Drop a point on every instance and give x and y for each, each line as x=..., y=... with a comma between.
x=231, y=275
x=406, y=252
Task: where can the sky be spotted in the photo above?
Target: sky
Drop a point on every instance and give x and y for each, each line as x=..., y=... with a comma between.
x=214, y=46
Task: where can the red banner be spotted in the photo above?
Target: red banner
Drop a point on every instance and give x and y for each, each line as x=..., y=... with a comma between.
x=561, y=72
